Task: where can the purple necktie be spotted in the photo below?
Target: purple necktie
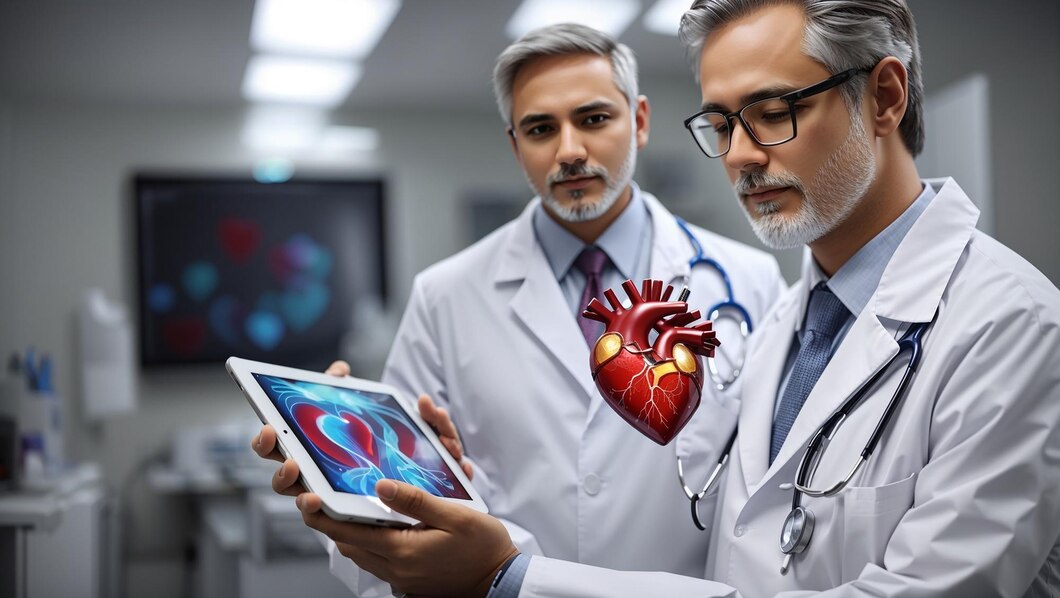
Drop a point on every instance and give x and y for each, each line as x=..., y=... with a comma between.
x=590, y=262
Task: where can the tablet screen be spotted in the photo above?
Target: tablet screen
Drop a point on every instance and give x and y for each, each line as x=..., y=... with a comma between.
x=358, y=437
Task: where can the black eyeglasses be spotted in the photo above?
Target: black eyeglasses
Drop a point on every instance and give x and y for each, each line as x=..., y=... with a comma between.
x=769, y=122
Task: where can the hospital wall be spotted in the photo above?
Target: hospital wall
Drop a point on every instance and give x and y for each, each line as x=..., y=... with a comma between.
x=65, y=217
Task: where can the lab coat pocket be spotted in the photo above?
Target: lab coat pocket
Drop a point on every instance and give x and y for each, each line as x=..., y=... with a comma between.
x=870, y=515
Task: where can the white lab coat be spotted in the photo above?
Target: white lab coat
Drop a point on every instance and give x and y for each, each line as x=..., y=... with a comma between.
x=488, y=333
x=961, y=498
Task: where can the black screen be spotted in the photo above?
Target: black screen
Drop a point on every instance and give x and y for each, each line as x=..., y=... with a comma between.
x=265, y=271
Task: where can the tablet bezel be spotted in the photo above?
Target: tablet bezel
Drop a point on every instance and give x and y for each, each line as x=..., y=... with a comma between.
x=342, y=506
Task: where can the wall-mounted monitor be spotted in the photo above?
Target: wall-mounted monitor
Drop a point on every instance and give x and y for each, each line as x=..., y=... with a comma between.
x=267, y=271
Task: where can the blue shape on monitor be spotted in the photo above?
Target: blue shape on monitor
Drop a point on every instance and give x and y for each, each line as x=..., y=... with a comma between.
x=265, y=329
x=161, y=298
x=200, y=280
x=224, y=319
x=303, y=307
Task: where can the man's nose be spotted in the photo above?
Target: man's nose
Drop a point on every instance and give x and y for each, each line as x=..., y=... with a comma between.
x=744, y=152
x=571, y=148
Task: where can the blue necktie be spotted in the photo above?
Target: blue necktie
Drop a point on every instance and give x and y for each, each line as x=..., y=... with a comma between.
x=825, y=316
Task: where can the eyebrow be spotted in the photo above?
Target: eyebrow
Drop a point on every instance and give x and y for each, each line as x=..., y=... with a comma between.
x=761, y=94
x=530, y=119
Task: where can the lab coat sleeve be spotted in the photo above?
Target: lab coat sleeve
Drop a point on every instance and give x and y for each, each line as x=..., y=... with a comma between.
x=415, y=367
x=986, y=511
x=552, y=578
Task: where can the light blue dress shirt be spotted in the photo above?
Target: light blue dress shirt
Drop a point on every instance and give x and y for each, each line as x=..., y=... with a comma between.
x=627, y=243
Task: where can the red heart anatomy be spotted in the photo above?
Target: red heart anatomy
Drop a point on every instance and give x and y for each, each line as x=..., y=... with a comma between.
x=655, y=387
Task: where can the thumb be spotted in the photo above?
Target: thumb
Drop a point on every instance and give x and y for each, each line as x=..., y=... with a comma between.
x=416, y=503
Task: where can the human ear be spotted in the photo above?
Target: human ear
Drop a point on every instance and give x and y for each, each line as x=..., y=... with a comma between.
x=509, y=132
x=642, y=118
x=888, y=90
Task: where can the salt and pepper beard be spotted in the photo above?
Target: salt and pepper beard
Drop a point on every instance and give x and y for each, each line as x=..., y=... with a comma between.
x=584, y=212
x=845, y=177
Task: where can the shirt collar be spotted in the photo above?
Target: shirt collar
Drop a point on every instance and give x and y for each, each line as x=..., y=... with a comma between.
x=562, y=248
x=856, y=281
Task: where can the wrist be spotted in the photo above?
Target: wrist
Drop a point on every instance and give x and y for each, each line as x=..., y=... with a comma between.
x=496, y=574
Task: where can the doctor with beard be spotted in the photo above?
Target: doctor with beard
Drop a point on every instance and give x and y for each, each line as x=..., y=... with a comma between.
x=495, y=334
x=814, y=108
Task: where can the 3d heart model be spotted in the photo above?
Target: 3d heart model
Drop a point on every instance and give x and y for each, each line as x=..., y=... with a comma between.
x=654, y=387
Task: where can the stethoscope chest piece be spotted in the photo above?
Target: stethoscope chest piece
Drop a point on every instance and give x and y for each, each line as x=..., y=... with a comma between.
x=795, y=535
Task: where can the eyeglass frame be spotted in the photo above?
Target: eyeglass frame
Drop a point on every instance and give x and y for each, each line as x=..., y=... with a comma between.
x=790, y=97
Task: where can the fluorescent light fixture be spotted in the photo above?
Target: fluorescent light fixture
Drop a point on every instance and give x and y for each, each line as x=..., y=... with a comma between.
x=326, y=28
x=610, y=16
x=315, y=82
x=664, y=17
x=347, y=140
x=277, y=130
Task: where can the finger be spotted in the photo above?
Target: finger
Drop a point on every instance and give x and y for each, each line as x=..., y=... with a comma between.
x=338, y=368
x=468, y=470
x=418, y=504
x=264, y=444
x=438, y=418
x=453, y=446
x=369, y=561
x=285, y=480
x=380, y=541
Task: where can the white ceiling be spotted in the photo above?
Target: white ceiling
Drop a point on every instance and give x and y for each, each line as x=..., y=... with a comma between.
x=437, y=53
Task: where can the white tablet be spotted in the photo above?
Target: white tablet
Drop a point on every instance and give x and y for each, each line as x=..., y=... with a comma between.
x=345, y=434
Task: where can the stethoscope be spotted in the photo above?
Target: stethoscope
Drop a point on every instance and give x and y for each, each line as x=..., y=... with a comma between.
x=726, y=309
x=798, y=525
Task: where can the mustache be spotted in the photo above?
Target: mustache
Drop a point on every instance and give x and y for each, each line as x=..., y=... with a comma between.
x=759, y=178
x=567, y=171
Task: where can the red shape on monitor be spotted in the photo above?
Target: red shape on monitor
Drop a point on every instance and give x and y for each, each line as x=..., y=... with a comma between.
x=239, y=238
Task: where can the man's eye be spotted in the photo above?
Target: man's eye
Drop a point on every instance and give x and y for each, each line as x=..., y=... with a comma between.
x=721, y=129
x=777, y=116
x=538, y=130
x=597, y=119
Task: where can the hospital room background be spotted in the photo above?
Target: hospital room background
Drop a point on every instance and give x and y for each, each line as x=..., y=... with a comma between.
x=129, y=472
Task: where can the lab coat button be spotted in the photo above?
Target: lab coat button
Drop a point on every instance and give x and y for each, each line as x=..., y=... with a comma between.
x=739, y=531
x=591, y=484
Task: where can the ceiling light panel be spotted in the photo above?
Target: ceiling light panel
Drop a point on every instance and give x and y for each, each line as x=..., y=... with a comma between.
x=271, y=129
x=326, y=28
x=338, y=140
x=610, y=16
x=315, y=82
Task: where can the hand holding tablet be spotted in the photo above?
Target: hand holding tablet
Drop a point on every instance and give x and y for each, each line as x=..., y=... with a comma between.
x=345, y=434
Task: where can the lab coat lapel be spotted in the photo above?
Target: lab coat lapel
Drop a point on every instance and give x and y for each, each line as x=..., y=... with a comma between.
x=539, y=303
x=667, y=261
x=865, y=350
x=761, y=377
x=910, y=290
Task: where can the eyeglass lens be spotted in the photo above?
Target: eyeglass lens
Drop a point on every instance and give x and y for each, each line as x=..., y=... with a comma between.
x=770, y=121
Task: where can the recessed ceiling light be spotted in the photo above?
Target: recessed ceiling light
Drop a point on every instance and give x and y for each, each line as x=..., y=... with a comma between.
x=609, y=16
x=328, y=28
x=345, y=140
x=282, y=129
x=664, y=17
x=299, y=80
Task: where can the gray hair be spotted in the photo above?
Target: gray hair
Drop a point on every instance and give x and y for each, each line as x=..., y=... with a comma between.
x=840, y=34
x=560, y=40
